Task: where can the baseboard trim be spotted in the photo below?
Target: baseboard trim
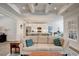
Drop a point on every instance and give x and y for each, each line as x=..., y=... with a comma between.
x=74, y=49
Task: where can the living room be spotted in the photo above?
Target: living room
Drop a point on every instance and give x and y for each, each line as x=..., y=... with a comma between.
x=42, y=23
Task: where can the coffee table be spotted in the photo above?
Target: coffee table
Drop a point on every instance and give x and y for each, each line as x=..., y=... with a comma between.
x=41, y=53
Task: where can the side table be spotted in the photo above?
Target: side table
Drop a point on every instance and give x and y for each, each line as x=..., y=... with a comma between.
x=15, y=46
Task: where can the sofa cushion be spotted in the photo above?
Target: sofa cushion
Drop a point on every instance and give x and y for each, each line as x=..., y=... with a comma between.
x=43, y=47
x=29, y=42
x=37, y=47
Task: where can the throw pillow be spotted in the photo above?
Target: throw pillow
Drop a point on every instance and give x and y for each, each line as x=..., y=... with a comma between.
x=29, y=42
x=57, y=42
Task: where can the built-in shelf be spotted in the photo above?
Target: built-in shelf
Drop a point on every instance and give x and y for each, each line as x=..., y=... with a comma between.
x=39, y=29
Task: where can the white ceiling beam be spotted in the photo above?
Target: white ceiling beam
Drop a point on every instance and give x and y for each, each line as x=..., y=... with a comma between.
x=64, y=8
x=32, y=9
x=9, y=14
x=46, y=9
x=14, y=7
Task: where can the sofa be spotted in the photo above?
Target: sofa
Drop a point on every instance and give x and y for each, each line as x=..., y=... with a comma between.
x=42, y=43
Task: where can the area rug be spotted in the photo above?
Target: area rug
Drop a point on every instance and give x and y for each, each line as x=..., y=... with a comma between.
x=69, y=52
x=45, y=54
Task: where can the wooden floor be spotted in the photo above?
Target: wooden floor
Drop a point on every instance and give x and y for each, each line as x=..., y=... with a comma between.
x=4, y=48
x=74, y=50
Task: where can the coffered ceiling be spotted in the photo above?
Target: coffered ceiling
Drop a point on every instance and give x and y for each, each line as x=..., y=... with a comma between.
x=34, y=11
x=38, y=8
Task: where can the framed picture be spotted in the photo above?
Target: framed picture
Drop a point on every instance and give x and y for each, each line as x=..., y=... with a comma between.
x=73, y=35
x=39, y=28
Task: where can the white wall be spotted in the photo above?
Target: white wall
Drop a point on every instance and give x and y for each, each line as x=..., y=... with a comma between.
x=57, y=23
x=15, y=32
x=10, y=25
x=74, y=15
x=20, y=30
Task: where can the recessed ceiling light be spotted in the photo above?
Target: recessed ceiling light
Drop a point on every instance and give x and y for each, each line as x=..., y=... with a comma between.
x=23, y=8
x=55, y=8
